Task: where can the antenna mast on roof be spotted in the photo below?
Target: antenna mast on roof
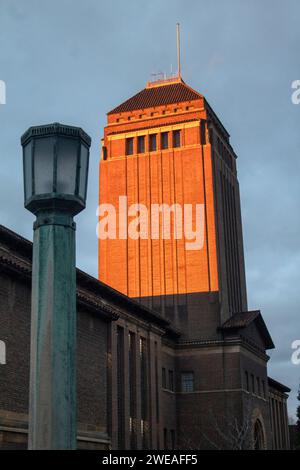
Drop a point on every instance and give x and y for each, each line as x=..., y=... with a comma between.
x=178, y=50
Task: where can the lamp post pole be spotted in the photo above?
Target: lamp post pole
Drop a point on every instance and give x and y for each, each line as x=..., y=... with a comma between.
x=54, y=199
x=52, y=422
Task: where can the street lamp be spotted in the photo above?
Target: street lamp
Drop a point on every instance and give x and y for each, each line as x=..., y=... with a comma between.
x=55, y=162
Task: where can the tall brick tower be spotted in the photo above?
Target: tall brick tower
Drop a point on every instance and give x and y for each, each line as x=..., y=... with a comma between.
x=165, y=145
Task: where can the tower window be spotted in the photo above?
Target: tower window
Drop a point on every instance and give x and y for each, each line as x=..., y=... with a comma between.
x=141, y=144
x=164, y=140
x=129, y=146
x=187, y=382
x=176, y=138
x=152, y=142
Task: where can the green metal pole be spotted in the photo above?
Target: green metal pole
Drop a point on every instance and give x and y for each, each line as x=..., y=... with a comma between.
x=52, y=407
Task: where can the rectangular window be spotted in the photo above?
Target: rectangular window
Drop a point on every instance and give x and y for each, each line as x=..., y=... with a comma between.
x=172, y=437
x=252, y=383
x=156, y=383
x=187, y=382
x=129, y=146
x=152, y=142
x=141, y=144
x=247, y=381
x=165, y=438
x=176, y=138
x=132, y=387
x=144, y=390
x=163, y=378
x=263, y=388
x=171, y=380
x=120, y=389
x=202, y=133
x=258, y=385
x=164, y=140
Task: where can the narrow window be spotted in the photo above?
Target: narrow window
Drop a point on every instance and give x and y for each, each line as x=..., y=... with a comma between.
x=187, y=381
x=152, y=142
x=165, y=438
x=247, y=380
x=141, y=144
x=171, y=380
x=176, y=138
x=172, y=437
x=163, y=378
x=252, y=383
x=164, y=140
x=258, y=386
x=263, y=388
x=144, y=391
x=129, y=146
x=120, y=389
x=132, y=387
x=202, y=133
x=156, y=383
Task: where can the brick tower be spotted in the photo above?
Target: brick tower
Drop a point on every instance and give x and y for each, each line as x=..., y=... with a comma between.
x=165, y=145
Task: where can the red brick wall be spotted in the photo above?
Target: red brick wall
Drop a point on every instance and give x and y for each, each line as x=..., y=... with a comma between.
x=141, y=268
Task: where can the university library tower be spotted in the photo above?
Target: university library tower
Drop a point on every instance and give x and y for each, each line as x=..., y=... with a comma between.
x=166, y=146
x=168, y=354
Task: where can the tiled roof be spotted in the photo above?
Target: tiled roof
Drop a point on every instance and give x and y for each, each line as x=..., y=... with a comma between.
x=158, y=96
x=243, y=319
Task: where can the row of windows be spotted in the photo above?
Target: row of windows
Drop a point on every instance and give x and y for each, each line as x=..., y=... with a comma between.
x=255, y=385
x=187, y=381
x=165, y=142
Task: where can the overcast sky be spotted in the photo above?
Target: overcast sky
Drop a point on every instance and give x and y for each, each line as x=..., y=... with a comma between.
x=73, y=60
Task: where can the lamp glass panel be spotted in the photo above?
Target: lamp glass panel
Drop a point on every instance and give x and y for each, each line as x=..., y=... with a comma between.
x=27, y=171
x=66, y=165
x=43, y=165
x=84, y=163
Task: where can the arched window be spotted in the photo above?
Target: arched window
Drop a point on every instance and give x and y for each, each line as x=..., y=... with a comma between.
x=259, y=438
x=2, y=353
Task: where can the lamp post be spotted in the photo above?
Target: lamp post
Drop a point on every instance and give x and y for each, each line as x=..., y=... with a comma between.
x=55, y=160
